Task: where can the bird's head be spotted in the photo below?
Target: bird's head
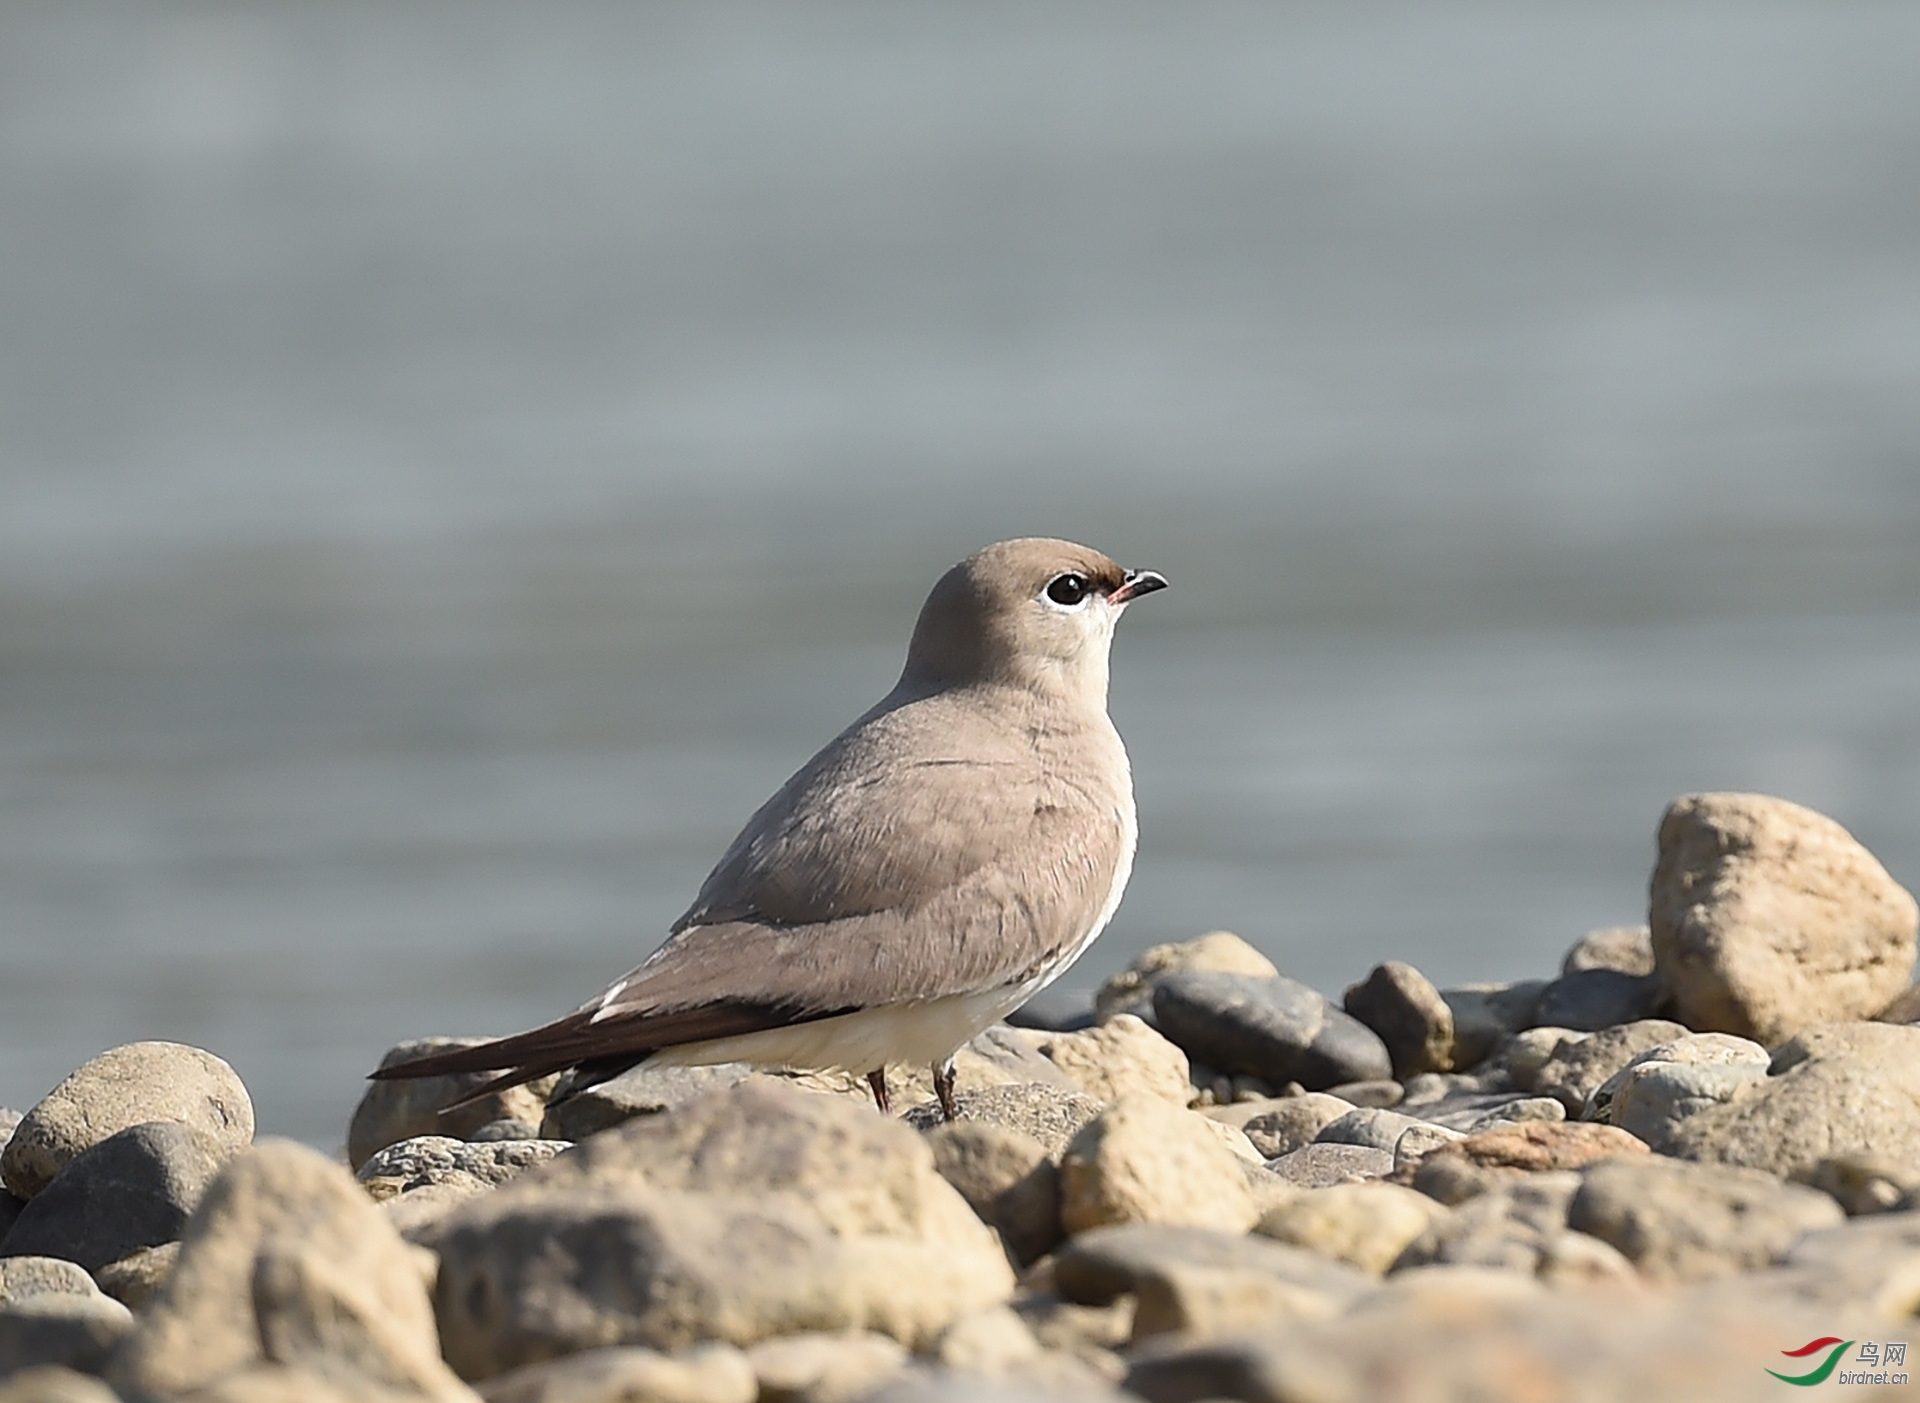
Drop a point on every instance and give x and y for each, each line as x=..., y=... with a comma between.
x=1034, y=613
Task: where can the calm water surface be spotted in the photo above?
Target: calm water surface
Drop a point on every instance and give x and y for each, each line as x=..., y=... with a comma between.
x=455, y=460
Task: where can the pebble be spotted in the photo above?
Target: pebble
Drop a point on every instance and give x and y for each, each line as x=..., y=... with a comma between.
x=1575, y=1070
x=1366, y=1125
x=24, y=1276
x=1056, y=1009
x=1283, y=1124
x=1039, y=1111
x=1628, y=949
x=710, y=1373
x=824, y=1366
x=1120, y=1057
x=63, y=1328
x=1131, y=990
x=1402, y=1006
x=1007, y=1178
x=1486, y=1015
x=121, y=1088
x=1317, y=1165
x=132, y=1190
x=391, y=1111
x=1365, y=1225
x=1834, y=1089
x=756, y=1212
x=638, y=1091
x=1274, y=1028
x=1144, y=1161
x=286, y=1268
x=1768, y=918
x=1683, y=1222
x=1591, y=999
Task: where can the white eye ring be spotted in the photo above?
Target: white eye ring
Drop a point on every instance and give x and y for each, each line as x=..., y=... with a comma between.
x=1068, y=590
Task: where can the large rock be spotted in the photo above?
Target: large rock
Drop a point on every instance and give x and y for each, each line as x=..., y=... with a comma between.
x=1401, y=1005
x=1844, y=1088
x=392, y=1111
x=1144, y=1161
x=132, y=1190
x=1121, y=1057
x=1131, y=990
x=122, y=1087
x=1686, y=1222
x=750, y=1213
x=1768, y=917
x=287, y=1271
x=1274, y=1028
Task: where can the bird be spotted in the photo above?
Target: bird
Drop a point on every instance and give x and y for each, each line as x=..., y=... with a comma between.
x=933, y=867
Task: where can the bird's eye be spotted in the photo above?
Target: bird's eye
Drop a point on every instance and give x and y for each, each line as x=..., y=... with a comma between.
x=1068, y=589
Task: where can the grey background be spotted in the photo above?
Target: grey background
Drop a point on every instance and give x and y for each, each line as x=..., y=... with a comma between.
x=456, y=459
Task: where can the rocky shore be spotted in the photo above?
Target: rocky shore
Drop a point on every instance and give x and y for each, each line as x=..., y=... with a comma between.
x=1688, y=1160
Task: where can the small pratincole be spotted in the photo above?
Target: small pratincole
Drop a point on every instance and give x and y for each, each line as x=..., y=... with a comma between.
x=930, y=870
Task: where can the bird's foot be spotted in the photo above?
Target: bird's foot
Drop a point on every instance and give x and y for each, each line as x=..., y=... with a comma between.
x=877, y=1079
x=943, y=1088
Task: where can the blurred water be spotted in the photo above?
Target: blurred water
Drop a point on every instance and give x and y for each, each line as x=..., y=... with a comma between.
x=456, y=459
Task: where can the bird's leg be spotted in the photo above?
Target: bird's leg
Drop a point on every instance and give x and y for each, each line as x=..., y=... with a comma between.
x=877, y=1079
x=943, y=1088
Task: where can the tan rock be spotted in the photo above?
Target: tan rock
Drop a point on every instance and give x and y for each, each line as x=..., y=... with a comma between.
x=1121, y=1057
x=284, y=1266
x=1768, y=917
x=121, y=1088
x=1131, y=990
x=1367, y=1225
x=1145, y=1161
x=711, y=1373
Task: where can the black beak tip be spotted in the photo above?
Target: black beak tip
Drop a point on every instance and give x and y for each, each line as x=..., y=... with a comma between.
x=1139, y=582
